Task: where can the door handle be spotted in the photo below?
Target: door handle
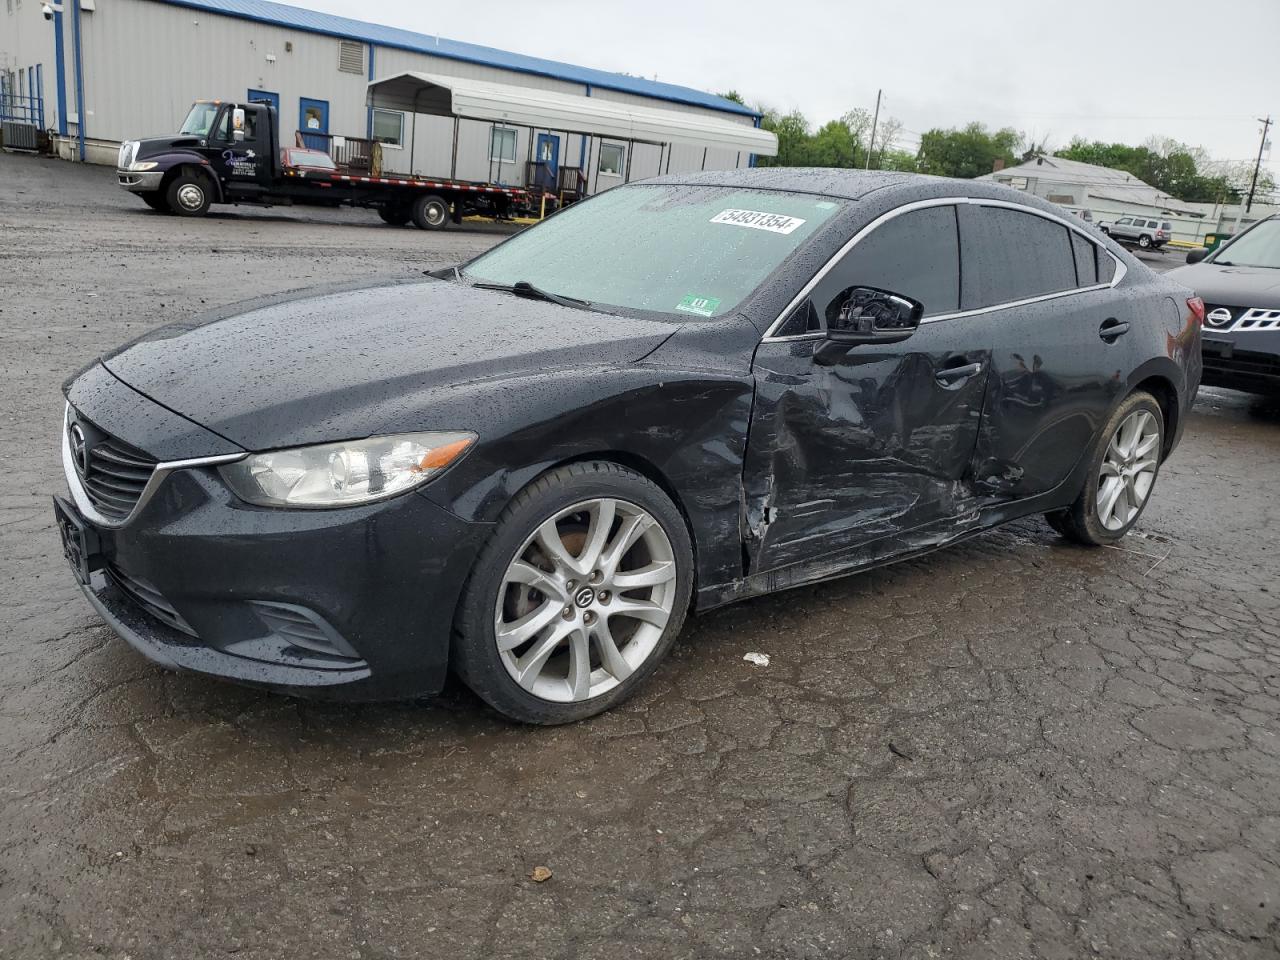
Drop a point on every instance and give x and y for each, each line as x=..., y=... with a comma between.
x=1112, y=329
x=950, y=375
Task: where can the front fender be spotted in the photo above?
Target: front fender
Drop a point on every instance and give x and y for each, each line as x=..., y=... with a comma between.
x=691, y=427
x=171, y=160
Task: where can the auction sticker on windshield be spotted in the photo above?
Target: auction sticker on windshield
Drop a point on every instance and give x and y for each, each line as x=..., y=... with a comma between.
x=702, y=306
x=758, y=220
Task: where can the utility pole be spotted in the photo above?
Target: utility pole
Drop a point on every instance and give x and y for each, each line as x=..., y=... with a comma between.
x=1266, y=125
x=871, y=144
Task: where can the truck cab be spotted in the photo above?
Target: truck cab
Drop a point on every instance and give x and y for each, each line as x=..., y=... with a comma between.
x=225, y=152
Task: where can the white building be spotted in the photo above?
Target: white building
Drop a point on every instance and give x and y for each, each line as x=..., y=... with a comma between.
x=1110, y=194
x=96, y=72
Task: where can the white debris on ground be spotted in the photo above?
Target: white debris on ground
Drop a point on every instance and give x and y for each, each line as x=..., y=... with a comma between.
x=759, y=659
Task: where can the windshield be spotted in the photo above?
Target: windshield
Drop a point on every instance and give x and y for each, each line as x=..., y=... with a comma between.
x=1257, y=247
x=688, y=251
x=199, y=120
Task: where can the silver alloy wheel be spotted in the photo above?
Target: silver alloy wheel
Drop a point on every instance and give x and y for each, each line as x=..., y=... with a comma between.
x=586, y=600
x=191, y=196
x=1128, y=469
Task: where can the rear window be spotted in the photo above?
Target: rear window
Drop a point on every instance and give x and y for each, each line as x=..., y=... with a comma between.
x=1009, y=255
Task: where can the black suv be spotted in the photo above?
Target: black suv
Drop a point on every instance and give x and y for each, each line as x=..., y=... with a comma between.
x=1240, y=285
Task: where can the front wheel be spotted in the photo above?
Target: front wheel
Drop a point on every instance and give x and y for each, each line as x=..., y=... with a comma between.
x=430, y=213
x=1124, y=463
x=188, y=195
x=577, y=596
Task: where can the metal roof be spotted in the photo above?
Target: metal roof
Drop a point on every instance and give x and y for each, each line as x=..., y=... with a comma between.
x=1104, y=183
x=311, y=21
x=430, y=93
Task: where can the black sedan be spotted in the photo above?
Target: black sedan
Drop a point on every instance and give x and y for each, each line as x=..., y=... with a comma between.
x=675, y=395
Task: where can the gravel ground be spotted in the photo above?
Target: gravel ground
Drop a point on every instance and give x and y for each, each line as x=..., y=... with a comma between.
x=1014, y=748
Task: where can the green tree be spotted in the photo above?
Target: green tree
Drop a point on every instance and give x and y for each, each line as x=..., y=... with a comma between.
x=792, y=131
x=1187, y=173
x=733, y=95
x=967, y=152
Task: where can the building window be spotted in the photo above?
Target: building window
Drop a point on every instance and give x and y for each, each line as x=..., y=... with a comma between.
x=502, y=145
x=612, y=157
x=388, y=127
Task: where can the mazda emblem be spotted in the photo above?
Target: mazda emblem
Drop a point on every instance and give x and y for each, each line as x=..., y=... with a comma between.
x=79, y=449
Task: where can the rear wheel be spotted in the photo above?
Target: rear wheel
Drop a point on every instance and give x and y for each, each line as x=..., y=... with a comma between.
x=430, y=212
x=188, y=195
x=577, y=596
x=156, y=201
x=397, y=216
x=1144, y=241
x=1124, y=463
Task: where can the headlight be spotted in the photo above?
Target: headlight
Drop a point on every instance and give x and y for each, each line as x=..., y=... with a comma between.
x=139, y=165
x=342, y=474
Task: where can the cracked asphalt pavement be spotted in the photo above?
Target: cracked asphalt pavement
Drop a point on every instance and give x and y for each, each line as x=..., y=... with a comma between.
x=1014, y=748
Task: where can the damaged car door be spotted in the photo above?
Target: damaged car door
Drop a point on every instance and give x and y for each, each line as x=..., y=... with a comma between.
x=854, y=448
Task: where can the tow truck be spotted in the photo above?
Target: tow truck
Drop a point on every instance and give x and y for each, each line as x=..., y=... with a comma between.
x=229, y=152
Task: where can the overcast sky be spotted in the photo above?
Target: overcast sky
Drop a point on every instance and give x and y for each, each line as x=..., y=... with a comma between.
x=1119, y=70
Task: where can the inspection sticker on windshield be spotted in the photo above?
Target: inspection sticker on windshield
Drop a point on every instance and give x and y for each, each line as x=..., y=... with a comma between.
x=702, y=306
x=757, y=220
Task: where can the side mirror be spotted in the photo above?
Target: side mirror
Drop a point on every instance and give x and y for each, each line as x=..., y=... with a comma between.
x=867, y=315
x=237, y=125
x=1198, y=254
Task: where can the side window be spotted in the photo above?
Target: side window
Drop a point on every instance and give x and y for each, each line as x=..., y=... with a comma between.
x=915, y=254
x=1086, y=260
x=1010, y=255
x=1106, y=266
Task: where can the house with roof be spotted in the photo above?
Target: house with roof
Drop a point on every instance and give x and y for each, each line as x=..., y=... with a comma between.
x=1110, y=194
x=94, y=73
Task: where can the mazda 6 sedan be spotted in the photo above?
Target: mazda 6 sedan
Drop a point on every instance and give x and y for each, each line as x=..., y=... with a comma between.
x=680, y=393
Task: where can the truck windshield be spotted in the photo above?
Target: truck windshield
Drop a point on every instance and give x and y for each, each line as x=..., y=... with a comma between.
x=1258, y=247
x=684, y=250
x=199, y=120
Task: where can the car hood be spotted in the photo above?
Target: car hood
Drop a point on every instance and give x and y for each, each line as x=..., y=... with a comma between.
x=335, y=367
x=1231, y=286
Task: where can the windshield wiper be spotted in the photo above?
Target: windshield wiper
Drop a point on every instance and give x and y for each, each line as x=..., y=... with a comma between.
x=523, y=288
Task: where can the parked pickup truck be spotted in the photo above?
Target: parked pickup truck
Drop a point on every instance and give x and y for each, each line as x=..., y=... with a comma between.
x=1143, y=231
x=231, y=153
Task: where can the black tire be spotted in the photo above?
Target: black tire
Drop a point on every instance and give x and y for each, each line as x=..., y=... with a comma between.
x=430, y=212
x=1144, y=241
x=156, y=201
x=396, y=216
x=189, y=195
x=1080, y=522
x=476, y=658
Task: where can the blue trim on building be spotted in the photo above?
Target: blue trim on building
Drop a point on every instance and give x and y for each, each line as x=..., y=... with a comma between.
x=369, y=108
x=60, y=70
x=310, y=21
x=40, y=90
x=77, y=53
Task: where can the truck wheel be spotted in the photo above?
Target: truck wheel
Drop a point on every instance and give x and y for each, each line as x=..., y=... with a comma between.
x=1144, y=241
x=156, y=201
x=188, y=195
x=430, y=213
x=396, y=216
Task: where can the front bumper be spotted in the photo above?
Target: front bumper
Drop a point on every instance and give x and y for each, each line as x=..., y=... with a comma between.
x=353, y=603
x=140, y=182
x=1242, y=361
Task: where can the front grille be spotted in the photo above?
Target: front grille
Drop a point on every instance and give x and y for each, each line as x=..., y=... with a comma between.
x=146, y=596
x=112, y=473
x=127, y=150
x=1222, y=317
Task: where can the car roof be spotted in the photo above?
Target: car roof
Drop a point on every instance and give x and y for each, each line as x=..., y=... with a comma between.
x=889, y=187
